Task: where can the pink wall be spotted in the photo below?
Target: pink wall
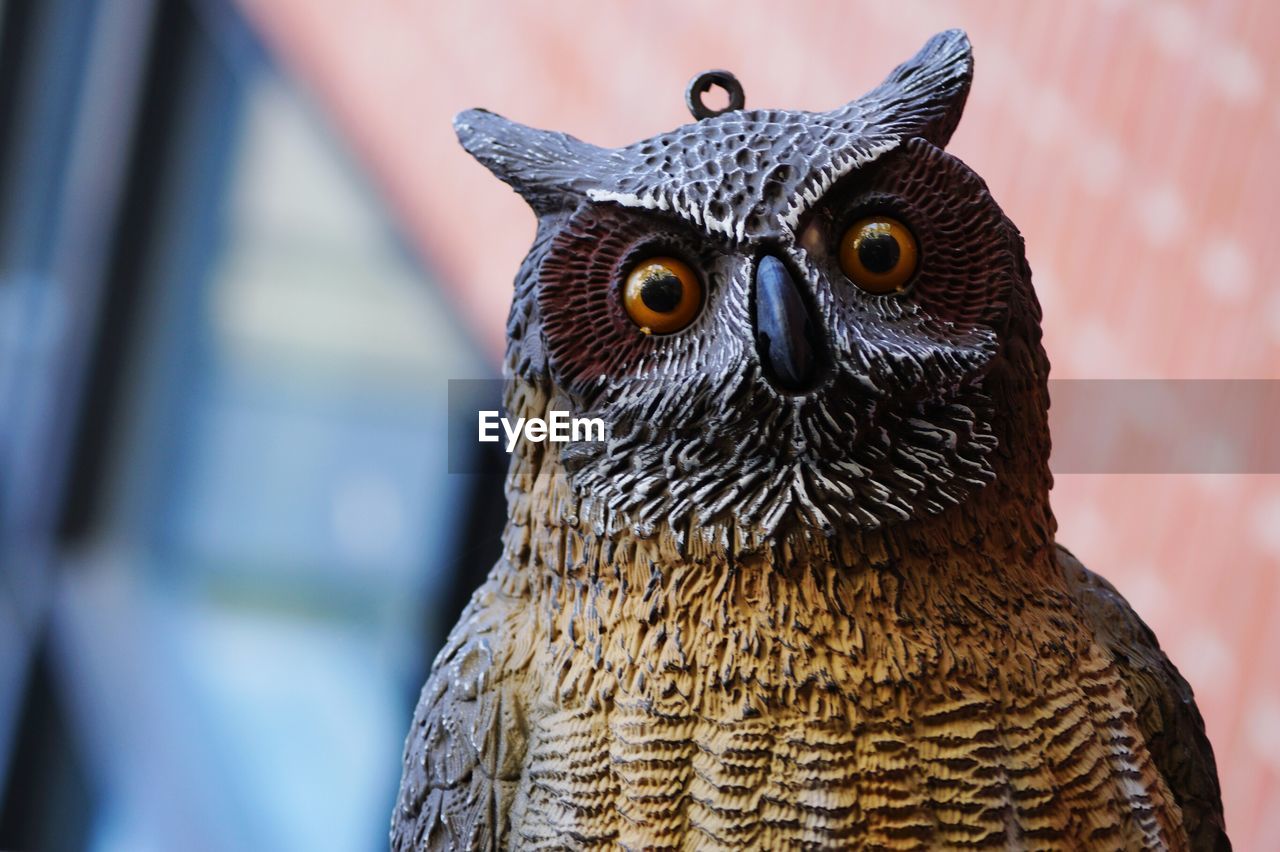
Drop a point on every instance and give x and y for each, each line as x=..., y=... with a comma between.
x=1133, y=142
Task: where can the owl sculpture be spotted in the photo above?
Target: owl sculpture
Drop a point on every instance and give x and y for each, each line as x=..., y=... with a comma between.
x=805, y=593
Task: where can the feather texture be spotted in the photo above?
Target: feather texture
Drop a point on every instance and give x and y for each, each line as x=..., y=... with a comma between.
x=823, y=616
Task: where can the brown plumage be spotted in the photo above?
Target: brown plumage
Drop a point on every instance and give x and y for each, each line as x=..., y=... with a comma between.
x=899, y=659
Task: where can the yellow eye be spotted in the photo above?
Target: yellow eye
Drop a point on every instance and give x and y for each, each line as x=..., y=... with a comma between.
x=878, y=254
x=662, y=295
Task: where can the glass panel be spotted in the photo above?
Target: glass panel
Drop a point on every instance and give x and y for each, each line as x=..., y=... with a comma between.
x=244, y=638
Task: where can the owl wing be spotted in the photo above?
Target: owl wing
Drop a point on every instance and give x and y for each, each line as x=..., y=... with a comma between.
x=1167, y=714
x=465, y=749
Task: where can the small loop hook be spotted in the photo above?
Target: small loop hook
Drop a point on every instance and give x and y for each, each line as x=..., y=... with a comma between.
x=702, y=84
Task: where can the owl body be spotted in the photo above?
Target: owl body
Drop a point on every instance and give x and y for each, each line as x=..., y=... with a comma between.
x=877, y=691
x=806, y=594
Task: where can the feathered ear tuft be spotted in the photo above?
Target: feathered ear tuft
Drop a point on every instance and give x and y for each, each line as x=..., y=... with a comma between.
x=925, y=95
x=550, y=170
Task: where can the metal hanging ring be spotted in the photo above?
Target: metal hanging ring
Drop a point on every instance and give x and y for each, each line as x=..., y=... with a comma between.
x=702, y=84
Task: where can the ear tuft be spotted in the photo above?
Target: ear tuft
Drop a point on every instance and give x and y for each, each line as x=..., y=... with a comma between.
x=925, y=95
x=550, y=170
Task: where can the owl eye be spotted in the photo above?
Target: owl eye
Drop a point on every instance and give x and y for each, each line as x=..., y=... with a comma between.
x=662, y=295
x=878, y=254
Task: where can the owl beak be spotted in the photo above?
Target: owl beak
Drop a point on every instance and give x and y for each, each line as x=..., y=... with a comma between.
x=785, y=336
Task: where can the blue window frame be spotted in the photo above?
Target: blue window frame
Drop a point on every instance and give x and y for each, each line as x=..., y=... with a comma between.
x=245, y=540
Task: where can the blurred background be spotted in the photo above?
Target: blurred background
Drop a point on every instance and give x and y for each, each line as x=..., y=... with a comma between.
x=241, y=255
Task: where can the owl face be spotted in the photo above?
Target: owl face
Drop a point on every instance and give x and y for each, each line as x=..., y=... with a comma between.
x=785, y=318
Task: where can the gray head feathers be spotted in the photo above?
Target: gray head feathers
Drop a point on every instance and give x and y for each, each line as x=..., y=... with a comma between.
x=717, y=171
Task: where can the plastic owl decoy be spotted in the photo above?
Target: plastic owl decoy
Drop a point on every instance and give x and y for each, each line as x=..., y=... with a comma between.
x=805, y=593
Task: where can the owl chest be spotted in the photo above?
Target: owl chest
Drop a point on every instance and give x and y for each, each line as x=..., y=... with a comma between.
x=747, y=743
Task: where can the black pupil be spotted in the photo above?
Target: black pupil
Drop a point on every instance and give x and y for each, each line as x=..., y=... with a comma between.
x=879, y=252
x=662, y=293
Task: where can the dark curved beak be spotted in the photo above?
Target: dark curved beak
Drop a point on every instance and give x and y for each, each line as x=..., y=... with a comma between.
x=786, y=336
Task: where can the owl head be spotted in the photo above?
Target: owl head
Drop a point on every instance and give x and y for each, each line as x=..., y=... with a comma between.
x=787, y=320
